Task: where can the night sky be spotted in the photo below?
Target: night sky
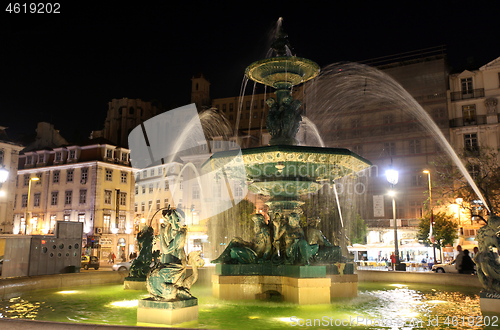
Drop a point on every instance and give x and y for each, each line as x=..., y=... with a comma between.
x=64, y=68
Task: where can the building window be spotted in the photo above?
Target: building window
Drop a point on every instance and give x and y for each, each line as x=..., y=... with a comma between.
x=107, y=223
x=137, y=190
x=416, y=180
x=231, y=107
x=69, y=175
x=41, y=158
x=55, y=176
x=26, y=180
x=165, y=202
x=474, y=171
x=151, y=188
x=150, y=205
x=469, y=114
x=109, y=174
x=39, y=181
x=466, y=84
x=123, y=199
x=158, y=204
x=196, y=192
x=121, y=224
x=355, y=123
x=109, y=153
x=143, y=206
x=67, y=197
x=107, y=196
x=36, y=199
x=29, y=160
x=439, y=113
x=52, y=225
x=167, y=185
x=124, y=157
x=81, y=217
x=58, y=156
x=415, y=209
x=123, y=177
x=54, y=197
x=415, y=147
x=84, y=175
x=72, y=154
x=143, y=188
x=470, y=143
x=83, y=196
x=390, y=148
x=238, y=191
x=135, y=207
x=152, y=172
x=247, y=105
x=24, y=200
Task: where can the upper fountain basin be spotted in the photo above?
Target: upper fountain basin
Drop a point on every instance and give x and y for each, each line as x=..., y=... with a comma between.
x=284, y=71
x=302, y=169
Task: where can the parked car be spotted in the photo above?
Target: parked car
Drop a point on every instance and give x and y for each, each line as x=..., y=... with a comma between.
x=90, y=262
x=122, y=266
x=445, y=268
x=1, y=264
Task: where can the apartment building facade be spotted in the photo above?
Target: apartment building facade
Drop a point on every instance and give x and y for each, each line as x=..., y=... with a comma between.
x=92, y=184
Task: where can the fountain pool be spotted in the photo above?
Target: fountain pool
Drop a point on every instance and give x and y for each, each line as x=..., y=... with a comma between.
x=378, y=306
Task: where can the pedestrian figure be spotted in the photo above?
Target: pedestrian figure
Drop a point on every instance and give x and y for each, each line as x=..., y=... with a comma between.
x=466, y=265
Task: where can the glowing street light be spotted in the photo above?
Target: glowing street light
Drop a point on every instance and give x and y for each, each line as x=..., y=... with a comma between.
x=392, y=176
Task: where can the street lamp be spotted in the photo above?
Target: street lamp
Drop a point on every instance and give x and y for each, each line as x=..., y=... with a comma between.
x=392, y=177
x=27, y=216
x=431, y=230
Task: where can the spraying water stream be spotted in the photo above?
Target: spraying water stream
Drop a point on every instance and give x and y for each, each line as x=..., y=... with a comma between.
x=345, y=88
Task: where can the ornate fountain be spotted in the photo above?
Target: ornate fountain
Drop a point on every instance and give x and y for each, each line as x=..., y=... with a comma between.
x=299, y=263
x=283, y=170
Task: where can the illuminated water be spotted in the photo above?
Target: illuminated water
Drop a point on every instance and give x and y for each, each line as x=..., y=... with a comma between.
x=378, y=306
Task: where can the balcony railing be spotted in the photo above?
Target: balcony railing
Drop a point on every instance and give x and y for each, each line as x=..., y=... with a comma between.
x=459, y=122
x=465, y=95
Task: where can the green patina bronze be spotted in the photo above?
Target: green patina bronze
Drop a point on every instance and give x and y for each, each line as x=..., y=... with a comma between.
x=283, y=72
x=488, y=260
x=142, y=264
x=167, y=281
x=284, y=171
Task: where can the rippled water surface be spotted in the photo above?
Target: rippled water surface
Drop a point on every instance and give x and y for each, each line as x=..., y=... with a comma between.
x=378, y=306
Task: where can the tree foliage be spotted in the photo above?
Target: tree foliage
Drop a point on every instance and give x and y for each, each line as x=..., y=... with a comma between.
x=484, y=166
x=444, y=229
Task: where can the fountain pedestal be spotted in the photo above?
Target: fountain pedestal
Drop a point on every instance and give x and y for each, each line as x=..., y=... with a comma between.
x=301, y=285
x=132, y=283
x=151, y=311
x=489, y=301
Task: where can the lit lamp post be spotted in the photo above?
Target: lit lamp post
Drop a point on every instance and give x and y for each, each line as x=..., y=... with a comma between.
x=392, y=177
x=27, y=216
x=431, y=215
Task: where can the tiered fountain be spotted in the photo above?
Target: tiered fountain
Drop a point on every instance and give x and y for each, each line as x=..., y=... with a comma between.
x=282, y=258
